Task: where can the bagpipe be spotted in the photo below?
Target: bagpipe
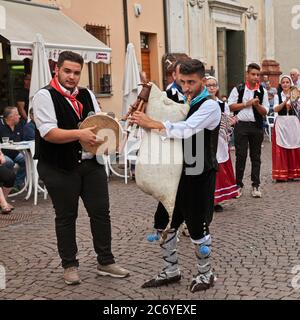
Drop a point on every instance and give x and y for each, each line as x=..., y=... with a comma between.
x=159, y=161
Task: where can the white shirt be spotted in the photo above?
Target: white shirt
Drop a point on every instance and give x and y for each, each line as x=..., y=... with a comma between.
x=276, y=100
x=45, y=116
x=44, y=111
x=207, y=117
x=247, y=114
x=297, y=84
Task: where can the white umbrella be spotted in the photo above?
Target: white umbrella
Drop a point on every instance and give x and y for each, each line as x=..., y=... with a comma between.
x=131, y=79
x=40, y=75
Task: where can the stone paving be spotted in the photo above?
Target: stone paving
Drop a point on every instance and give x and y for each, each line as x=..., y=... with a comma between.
x=255, y=248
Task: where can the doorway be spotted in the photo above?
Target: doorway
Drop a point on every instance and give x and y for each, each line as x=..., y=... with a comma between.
x=146, y=55
x=231, y=59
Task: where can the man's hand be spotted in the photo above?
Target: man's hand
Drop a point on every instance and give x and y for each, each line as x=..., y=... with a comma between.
x=88, y=136
x=255, y=102
x=145, y=122
x=141, y=119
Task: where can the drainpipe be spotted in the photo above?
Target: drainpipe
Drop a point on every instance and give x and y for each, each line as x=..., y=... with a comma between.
x=126, y=28
x=166, y=26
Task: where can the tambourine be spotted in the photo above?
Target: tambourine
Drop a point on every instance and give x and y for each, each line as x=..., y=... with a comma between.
x=295, y=94
x=108, y=131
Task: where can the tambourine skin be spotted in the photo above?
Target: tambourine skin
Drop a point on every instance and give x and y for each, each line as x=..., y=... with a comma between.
x=295, y=94
x=108, y=131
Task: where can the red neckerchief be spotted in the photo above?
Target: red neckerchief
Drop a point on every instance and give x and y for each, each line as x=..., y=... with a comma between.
x=77, y=105
x=255, y=88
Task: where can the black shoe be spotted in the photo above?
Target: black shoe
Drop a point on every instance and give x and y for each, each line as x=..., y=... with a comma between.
x=195, y=287
x=218, y=208
x=154, y=283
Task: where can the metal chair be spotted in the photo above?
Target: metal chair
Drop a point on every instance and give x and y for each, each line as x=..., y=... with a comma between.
x=270, y=122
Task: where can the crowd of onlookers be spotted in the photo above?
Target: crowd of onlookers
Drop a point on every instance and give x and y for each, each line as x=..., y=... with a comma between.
x=14, y=127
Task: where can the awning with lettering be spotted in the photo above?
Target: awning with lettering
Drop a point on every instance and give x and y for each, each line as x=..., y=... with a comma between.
x=22, y=21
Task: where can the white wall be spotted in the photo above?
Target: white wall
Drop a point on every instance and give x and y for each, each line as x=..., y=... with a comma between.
x=287, y=34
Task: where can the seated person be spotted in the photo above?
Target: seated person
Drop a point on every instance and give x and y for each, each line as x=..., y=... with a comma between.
x=29, y=128
x=7, y=180
x=12, y=127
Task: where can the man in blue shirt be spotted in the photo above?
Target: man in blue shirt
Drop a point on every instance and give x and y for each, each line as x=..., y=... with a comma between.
x=29, y=128
x=12, y=127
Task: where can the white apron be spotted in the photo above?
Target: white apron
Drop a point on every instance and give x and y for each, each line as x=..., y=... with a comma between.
x=287, y=130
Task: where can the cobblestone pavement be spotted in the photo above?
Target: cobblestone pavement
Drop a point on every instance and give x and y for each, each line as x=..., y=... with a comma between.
x=255, y=248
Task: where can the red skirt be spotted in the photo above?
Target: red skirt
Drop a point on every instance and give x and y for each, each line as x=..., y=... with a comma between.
x=285, y=162
x=226, y=187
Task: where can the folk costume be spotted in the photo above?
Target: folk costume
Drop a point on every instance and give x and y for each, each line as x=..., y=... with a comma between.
x=285, y=142
x=249, y=131
x=69, y=173
x=195, y=194
x=226, y=187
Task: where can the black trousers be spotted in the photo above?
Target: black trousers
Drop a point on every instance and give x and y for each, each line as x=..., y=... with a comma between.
x=7, y=177
x=88, y=181
x=194, y=205
x=248, y=135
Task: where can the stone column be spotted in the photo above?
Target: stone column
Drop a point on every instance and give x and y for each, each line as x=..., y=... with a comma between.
x=270, y=67
x=177, y=26
x=252, y=36
x=269, y=30
x=196, y=29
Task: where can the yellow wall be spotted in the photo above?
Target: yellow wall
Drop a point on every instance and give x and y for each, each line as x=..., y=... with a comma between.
x=150, y=21
x=110, y=13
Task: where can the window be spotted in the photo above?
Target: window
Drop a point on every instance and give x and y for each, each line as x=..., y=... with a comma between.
x=100, y=73
x=144, y=41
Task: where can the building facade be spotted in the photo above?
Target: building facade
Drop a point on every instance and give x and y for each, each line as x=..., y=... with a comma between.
x=226, y=35
x=286, y=44
x=116, y=23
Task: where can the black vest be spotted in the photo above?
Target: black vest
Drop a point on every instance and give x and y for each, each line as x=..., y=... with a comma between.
x=222, y=106
x=210, y=143
x=174, y=97
x=65, y=156
x=283, y=111
x=258, y=117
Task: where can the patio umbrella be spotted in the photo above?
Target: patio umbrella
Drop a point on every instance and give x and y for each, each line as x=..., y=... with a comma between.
x=131, y=80
x=40, y=75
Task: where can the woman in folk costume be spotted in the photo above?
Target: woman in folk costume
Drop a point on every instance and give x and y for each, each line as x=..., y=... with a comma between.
x=226, y=187
x=286, y=135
